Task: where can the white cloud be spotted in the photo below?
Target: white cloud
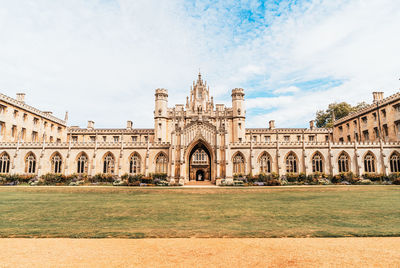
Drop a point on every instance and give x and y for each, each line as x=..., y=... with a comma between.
x=102, y=60
x=291, y=89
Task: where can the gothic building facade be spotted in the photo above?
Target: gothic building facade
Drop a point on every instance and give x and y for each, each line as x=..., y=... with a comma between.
x=196, y=141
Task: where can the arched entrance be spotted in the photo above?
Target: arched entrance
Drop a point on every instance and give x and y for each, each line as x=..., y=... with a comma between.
x=200, y=160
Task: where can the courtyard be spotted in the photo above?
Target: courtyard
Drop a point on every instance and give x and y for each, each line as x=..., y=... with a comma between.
x=268, y=212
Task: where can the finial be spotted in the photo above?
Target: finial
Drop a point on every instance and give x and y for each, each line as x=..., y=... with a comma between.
x=66, y=116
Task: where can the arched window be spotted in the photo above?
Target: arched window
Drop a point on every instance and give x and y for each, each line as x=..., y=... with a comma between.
x=4, y=163
x=161, y=163
x=291, y=163
x=343, y=163
x=199, y=157
x=369, y=163
x=30, y=163
x=265, y=163
x=82, y=164
x=134, y=164
x=56, y=162
x=238, y=164
x=109, y=164
x=395, y=162
x=317, y=163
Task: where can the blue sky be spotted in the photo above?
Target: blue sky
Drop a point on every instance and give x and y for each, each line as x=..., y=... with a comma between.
x=102, y=59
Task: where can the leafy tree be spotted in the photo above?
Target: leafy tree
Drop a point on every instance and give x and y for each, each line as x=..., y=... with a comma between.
x=339, y=110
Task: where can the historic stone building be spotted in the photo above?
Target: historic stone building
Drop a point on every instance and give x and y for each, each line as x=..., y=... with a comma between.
x=379, y=120
x=199, y=140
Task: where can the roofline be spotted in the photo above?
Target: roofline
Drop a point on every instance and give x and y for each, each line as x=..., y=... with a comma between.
x=28, y=108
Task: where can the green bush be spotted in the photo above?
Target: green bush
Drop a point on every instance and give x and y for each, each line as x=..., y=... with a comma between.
x=102, y=178
x=130, y=179
x=146, y=180
x=374, y=177
x=393, y=176
x=273, y=182
x=15, y=178
x=54, y=179
x=396, y=181
x=160, y=176
x=262, y=177
x=345, y=176
x=292, y=177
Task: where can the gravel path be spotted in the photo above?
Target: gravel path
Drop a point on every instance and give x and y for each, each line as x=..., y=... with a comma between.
x=279, y=252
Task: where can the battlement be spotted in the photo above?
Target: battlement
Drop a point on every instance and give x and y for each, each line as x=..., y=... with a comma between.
x=237, y=92
x=161, y=92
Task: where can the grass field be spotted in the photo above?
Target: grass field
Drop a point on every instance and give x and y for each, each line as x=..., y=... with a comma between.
x=99, y=212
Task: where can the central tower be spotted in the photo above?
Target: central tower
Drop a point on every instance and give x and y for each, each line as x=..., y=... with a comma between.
x=199, y=101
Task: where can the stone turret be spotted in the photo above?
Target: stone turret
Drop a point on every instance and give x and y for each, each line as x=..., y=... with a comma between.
x=160, y=115
x=238, y=115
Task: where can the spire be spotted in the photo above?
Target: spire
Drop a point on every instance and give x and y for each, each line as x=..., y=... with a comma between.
x=199, y=80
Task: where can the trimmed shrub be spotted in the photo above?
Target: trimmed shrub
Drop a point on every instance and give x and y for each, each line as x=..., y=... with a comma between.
x=396, y=181
x=345, y=176
x=102, y=178
x=365, y=182
x=14, y=179
x=292, y=177
x=375, y=177
x=273, y=182
x=54, y=179
x=146, y=180
x=393, y=176
x=160, y=176
x=251, y=179
x=132, y=179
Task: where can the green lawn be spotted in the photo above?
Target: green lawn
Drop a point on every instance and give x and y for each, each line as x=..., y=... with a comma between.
x=331, y=211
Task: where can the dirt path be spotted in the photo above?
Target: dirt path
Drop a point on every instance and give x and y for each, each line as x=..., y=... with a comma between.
x=306, y=252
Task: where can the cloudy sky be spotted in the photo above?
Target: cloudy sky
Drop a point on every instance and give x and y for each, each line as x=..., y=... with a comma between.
x=102, y=59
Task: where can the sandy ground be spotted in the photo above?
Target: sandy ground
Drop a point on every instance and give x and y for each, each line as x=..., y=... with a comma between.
x=285, y=252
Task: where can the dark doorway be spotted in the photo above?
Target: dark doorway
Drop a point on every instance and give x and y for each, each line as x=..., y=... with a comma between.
x=200, y=175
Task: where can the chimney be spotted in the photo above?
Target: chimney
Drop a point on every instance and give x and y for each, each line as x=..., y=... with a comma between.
x=90, y=124
x=312, y=124
x=378, y=96
x=129, y=124
x=21, y=97
x=271, y=124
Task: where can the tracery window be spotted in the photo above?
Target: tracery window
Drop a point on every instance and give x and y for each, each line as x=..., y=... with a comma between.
x=30, y=163
x=343, y=163
x=134, y=164
x=238, y=164
x=291, y=163
x=369, y=163
x=395, y=162
x=199, y=157
x=161, y=163
x=265, y=163
x=4, y=163
x=56, y=162
x=109, y=164
x=317, y=163
x=82, y=164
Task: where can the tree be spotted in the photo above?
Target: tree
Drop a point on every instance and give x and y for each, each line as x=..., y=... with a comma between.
x=339, y=110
